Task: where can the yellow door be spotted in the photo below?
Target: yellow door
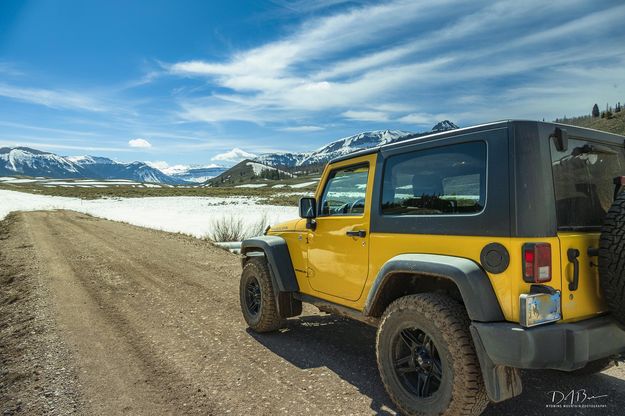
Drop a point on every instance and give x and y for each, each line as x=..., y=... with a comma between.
x=338, y=248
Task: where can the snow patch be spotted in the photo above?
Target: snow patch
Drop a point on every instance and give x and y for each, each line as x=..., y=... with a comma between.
x=252, y=185
x=303, y=185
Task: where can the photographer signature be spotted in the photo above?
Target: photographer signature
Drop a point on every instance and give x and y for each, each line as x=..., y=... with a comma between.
x=572, y=397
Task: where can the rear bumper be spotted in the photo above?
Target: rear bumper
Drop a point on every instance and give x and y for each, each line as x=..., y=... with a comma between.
x=566, y=346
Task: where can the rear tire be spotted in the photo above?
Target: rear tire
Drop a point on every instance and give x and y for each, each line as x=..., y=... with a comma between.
x=611, y=259
x=426, y=357
x=256, y=295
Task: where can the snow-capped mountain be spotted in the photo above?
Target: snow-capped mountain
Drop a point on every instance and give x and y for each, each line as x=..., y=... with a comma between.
x=90, y=160
x=31, y=162
x=197, y=174
x=282, y=159
x=347, y=145
x=334, y=149
x=444, y=126
x=352, y=144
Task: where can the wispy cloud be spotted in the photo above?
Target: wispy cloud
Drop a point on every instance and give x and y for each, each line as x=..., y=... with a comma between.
x=423, y=118
x=59, y=99
x=366, y=115
x=22, y=126
x=46, y=145
x=10, y=69
x=303, y=129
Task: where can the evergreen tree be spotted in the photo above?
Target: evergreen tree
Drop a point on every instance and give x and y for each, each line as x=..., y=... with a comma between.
x=595, y=110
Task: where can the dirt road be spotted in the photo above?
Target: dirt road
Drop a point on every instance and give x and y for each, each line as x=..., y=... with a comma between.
x=98, y=317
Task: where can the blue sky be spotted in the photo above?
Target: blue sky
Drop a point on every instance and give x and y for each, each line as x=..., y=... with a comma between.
x=185, y=82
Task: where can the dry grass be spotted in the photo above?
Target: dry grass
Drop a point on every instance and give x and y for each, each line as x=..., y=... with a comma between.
x=234, y=228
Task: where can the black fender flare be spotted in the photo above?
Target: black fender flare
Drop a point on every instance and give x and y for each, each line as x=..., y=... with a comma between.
x=472, y=281
x=276, y=252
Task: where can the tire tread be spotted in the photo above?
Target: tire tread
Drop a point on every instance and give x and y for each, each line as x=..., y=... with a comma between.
x=469, y=394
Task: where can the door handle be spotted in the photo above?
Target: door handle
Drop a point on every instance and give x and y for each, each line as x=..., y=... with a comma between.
x=359, y=233
x=572, y=255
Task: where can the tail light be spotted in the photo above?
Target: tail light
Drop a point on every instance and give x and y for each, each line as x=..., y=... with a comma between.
x=537, y=262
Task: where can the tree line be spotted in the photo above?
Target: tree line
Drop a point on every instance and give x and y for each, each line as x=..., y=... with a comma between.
x=609, y=111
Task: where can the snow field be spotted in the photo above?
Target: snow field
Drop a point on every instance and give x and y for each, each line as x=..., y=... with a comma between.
x=189, y=215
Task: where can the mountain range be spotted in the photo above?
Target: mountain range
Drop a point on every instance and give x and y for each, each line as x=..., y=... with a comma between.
x=31, y=162
x=345, y=146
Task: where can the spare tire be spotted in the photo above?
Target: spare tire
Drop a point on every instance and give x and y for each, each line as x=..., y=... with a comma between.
x=612, y=258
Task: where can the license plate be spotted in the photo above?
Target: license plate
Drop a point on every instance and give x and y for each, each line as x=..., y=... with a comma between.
x=540, y=308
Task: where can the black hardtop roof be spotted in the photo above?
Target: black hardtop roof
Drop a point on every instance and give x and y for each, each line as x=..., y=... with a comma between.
x=573, y=131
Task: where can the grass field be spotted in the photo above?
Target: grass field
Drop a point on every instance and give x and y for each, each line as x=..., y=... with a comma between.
x=270, y=196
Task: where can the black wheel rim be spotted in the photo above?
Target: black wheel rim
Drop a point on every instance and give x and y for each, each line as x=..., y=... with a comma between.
x=416, y=362
x=252, y=296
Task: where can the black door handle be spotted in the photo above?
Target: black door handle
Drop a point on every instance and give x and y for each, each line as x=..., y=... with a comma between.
x=359, y=233
x=572, y=255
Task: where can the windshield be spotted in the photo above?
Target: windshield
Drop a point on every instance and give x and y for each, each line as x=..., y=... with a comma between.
x=583, y=179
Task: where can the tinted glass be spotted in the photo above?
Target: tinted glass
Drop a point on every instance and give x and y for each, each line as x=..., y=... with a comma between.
x=583, y=176
x=439, y=181
x=345, y=191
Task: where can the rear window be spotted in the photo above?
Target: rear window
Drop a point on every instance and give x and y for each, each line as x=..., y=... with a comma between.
x=446, y=180
x=583, y=176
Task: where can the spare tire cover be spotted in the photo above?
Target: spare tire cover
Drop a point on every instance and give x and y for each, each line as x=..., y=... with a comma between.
x=612, y=259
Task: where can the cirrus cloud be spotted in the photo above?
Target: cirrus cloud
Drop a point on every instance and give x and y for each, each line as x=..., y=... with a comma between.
x=302, y=129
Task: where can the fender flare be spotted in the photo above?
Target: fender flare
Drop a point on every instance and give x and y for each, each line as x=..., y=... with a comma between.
x=276, y=252
x=473, y=283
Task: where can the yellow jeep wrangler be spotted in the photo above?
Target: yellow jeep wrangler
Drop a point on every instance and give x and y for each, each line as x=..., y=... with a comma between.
x=476, y=253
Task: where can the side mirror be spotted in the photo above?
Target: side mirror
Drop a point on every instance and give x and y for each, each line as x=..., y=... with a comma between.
x=308, y=208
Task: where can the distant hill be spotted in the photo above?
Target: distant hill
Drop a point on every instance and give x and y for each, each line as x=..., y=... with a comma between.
x=31, y=162
x=614, y=124
x=246, y=171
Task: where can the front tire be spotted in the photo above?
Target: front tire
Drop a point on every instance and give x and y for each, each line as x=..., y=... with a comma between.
x=426, y=357
x=256, y=295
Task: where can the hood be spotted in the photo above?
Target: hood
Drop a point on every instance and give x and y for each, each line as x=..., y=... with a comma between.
x=291, y=225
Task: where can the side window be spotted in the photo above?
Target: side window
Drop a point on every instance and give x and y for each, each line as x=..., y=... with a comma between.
x=345, y=191
x=439, y=181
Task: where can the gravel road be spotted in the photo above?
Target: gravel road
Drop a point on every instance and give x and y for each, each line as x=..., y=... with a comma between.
x=99, y=317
